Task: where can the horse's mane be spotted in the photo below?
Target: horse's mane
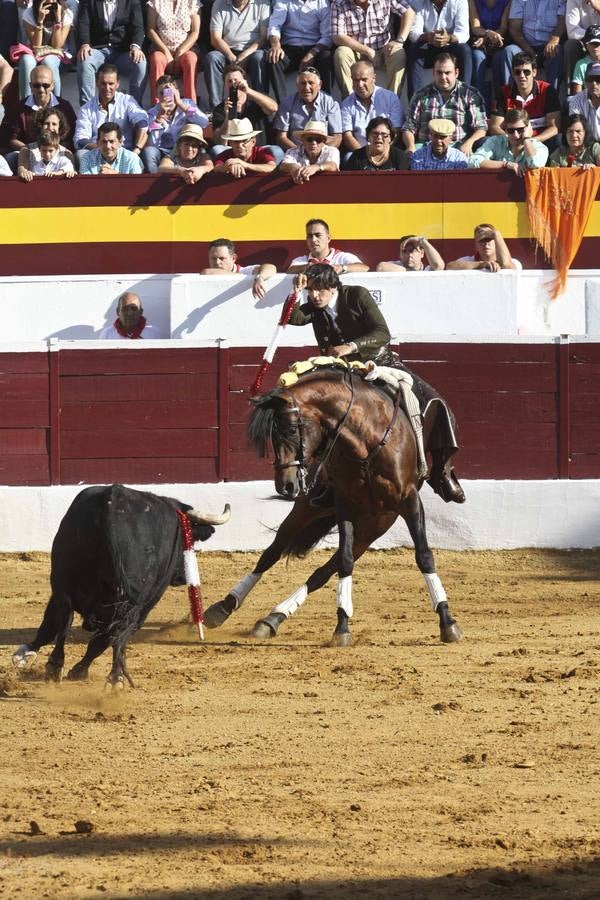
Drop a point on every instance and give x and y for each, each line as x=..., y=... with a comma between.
x=265, y=423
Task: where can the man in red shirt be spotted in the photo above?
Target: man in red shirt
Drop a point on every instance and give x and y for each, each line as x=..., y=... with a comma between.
x=244, y=155
x=526, y=92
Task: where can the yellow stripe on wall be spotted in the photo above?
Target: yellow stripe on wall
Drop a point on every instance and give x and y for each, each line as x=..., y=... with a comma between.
x=267, y=222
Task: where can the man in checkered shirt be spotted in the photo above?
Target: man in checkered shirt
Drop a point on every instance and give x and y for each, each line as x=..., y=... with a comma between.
x=446, y=98
x=363, y=29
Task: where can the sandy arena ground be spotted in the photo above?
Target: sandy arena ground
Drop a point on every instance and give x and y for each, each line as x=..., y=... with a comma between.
x=399, y=767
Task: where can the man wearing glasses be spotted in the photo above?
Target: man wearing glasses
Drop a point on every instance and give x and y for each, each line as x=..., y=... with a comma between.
x=312, y=157
x=538, y=98
x=587, y=103
x=538, y=27
x=308, y=104
x=42, y=96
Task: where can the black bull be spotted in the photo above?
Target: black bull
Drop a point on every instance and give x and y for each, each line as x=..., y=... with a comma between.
x=115, y=553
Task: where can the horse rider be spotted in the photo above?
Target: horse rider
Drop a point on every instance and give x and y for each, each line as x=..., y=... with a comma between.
x=348, y=323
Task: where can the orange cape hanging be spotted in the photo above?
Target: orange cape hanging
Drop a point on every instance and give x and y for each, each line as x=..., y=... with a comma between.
x=559, y=203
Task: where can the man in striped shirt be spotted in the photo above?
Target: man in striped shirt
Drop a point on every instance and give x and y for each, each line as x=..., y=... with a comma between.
x=363, y=29
x=446, y=98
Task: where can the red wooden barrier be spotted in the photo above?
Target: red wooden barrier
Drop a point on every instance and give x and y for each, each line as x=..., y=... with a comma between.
x=179, y=415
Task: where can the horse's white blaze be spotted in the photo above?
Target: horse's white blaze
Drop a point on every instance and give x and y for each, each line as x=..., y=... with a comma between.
x=243, y=587
x=289, y=606
x=23, y=657
x=436, y=590
x=344, y=595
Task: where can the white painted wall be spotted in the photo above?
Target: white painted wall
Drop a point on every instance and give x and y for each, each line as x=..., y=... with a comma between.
x=210, y=307
x=497, y=515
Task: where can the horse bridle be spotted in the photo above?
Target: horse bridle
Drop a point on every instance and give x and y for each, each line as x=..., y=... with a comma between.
x=305, y=484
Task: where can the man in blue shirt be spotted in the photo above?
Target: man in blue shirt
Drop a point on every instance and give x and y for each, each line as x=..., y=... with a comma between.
x=366, y=102
x=439, y=153
x=110, y=157
x=308, y=104
x=299, y=35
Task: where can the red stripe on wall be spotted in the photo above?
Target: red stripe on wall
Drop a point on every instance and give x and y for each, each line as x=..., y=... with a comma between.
x=343, y=187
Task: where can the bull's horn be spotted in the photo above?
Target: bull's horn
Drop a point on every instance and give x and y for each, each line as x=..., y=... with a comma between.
x=200, y=518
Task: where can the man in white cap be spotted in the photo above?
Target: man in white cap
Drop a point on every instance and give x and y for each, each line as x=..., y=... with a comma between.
x=313, y=156
x=244, y=155
x=439, y=153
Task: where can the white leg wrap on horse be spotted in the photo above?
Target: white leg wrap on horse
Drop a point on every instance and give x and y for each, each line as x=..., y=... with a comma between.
x=344, y=595
x=23, y=657
x=289, y=606
x=243, y=587
x=436, y=590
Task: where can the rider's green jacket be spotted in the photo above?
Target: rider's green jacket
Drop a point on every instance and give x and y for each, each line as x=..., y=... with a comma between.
x=357, y=319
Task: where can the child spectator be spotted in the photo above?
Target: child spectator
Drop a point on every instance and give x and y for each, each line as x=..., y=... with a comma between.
x=47, y=159
x=591, y=40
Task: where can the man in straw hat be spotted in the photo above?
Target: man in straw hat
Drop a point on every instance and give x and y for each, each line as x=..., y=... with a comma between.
x=244, y=155
x=313, y=156
x=438, y=152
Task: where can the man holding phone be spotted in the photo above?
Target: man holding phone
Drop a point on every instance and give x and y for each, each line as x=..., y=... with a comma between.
x=241, y=101
x=238, y=34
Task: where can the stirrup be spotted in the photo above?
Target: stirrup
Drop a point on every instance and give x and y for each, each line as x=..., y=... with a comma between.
x=447, y=485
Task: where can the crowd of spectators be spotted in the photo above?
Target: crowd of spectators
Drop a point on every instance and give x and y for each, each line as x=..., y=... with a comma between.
x=515, y=84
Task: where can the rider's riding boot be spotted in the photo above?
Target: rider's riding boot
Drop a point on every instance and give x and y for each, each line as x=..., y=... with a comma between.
x=324, y=498
x=446, y=484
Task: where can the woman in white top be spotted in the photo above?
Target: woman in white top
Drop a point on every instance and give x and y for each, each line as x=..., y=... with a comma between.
x=173, y=27
x=47, y=24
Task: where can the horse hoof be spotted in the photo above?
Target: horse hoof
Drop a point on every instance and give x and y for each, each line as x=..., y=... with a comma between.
x=53, y=672
x=23, y=657
x=77, y=674
x=341, y=639
x=263, y=630
x=451, y=633
x=216, y=614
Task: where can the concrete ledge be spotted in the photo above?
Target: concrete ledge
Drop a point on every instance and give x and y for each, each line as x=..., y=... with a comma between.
x=498, y=515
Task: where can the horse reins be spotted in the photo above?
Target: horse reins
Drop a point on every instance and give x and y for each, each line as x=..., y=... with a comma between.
x=305, y=484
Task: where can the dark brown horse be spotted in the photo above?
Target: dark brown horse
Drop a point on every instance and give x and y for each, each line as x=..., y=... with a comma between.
x=332, y=428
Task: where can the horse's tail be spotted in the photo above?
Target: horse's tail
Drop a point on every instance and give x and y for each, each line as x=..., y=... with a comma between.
x=303, y=539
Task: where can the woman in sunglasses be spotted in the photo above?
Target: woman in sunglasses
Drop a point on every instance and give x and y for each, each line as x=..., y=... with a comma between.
x=578, y=148
x=313, y=156
x=379, y=153
x=515, y=150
